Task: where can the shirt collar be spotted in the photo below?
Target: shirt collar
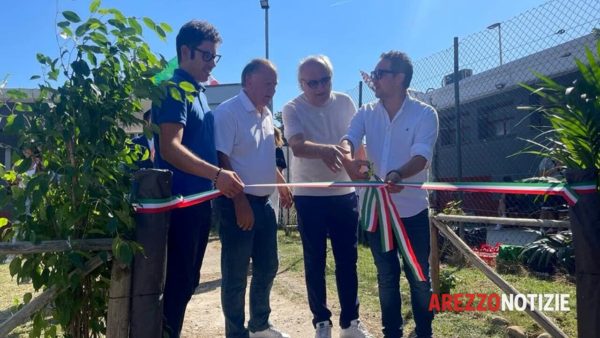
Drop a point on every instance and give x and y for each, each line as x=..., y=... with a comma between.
x=189, y=78
x=407, y=101
x=248, y=105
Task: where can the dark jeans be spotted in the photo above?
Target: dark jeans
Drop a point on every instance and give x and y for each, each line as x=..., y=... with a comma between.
x=238, y=246
x=388, y=278
x=337, y=216
x=188, y=236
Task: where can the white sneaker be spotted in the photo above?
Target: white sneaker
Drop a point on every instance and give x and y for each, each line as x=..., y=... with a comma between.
x=323, y=330
x=271, y=332
x=355, y=330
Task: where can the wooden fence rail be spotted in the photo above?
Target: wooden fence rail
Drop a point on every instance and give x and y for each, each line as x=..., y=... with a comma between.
x=519, y=222
x=23, y=248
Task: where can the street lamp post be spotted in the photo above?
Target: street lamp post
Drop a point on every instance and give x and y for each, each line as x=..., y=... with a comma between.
x=499, y=26
x=264, y=4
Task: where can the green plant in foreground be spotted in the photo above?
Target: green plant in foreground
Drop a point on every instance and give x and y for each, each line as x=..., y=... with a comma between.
x=573, y=137
x=87, y=96
x=549, y=253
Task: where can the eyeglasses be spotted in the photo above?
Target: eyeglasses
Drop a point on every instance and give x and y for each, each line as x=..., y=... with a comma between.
x=208, y=56
x=379, y=73
x=314, y=84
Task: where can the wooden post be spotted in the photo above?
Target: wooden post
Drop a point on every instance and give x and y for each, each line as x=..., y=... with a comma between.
x=434, y=257
x=537, y=315
x=148, y=270
x=117, y=321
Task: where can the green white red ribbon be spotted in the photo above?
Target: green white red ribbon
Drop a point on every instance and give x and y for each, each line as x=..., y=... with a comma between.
x=378, y=209
x=570, y=193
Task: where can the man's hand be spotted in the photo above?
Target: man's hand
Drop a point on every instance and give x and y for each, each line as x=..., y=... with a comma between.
x=392, y=178
x=332, y=156
x=285, y=197
x=243, y=212
x=229, y=183
x=357, y=169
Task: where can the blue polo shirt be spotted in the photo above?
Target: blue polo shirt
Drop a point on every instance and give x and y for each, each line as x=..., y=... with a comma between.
x=198, y=134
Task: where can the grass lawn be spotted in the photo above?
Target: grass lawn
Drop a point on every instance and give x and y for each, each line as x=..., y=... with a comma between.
x=447, y=324
x=11, y=294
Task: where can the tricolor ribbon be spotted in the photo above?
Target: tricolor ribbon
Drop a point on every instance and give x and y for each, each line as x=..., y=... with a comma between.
x=377, y=210
x=569, y=193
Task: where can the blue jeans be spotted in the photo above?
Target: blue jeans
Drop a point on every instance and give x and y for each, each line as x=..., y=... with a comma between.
x=187, y=239
x=336, y=216
x=238, y=246
x=388, y=278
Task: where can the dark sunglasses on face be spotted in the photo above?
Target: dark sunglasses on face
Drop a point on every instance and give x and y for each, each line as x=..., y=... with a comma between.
x=208, y=56
x=314, y=84
x=379, y=73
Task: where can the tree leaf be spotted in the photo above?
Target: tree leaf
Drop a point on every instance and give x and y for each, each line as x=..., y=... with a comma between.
x=94, y=6
x=175, y=94
x=166, y=27
x=71, y=16
x=187, y=87
x=149, y=23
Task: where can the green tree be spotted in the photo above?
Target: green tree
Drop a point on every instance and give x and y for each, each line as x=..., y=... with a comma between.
x=87, y=96
x=573, y=136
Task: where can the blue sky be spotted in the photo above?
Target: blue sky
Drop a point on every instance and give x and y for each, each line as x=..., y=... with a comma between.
x=353, y=33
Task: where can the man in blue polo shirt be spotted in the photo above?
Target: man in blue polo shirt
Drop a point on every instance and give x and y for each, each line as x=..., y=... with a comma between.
x=186, y=146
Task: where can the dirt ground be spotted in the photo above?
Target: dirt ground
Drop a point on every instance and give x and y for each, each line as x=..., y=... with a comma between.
x=290, y=312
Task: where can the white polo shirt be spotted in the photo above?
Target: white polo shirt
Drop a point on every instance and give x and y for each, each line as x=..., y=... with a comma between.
x=325, y=125
x=246, y=136
x=390, y=144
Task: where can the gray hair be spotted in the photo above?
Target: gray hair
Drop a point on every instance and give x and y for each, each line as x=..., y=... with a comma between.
x=254, y=66
x=318, y=59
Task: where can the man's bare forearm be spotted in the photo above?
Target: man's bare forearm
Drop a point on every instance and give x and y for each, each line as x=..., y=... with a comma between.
x=412, y=167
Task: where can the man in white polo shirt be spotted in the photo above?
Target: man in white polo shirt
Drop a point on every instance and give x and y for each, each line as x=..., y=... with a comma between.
x=245, y=143
x=401, y=133
x=314, y=123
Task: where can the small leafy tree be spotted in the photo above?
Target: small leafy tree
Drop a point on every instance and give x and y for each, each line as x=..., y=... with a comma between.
x=89, y=93
x=573, y=137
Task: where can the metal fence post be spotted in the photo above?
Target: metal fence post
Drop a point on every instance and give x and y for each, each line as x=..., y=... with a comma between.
x=434, y=256
x=148, y=270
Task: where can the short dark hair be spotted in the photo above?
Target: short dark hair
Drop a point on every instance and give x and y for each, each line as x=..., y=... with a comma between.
x=193, y=33
x=400, y=62
x=253, y=66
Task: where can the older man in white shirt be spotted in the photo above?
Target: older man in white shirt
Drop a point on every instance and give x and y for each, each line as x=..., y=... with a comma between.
x=245, y=143
x=400, y=133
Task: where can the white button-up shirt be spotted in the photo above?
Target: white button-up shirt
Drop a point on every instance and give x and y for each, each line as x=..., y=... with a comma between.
x=246, y=136
x=391, y=144
x=325, y=125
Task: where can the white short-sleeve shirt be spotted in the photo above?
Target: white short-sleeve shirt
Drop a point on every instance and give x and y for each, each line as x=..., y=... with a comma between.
x=325, y=125
x=390, y=144
x=246, y=136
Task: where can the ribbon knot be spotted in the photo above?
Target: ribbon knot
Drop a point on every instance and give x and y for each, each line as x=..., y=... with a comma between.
x=377, y=210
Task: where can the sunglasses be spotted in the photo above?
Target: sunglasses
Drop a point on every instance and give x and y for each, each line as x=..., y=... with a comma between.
x=314, y=84
x=379, y=73
x=208, y=56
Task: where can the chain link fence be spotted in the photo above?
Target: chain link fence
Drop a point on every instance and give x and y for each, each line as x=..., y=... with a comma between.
x=485, y=142
x=483, y=131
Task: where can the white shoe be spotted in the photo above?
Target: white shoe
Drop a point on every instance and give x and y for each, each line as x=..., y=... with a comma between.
x=355, y=330
x=323, y=330
x=271, y=332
